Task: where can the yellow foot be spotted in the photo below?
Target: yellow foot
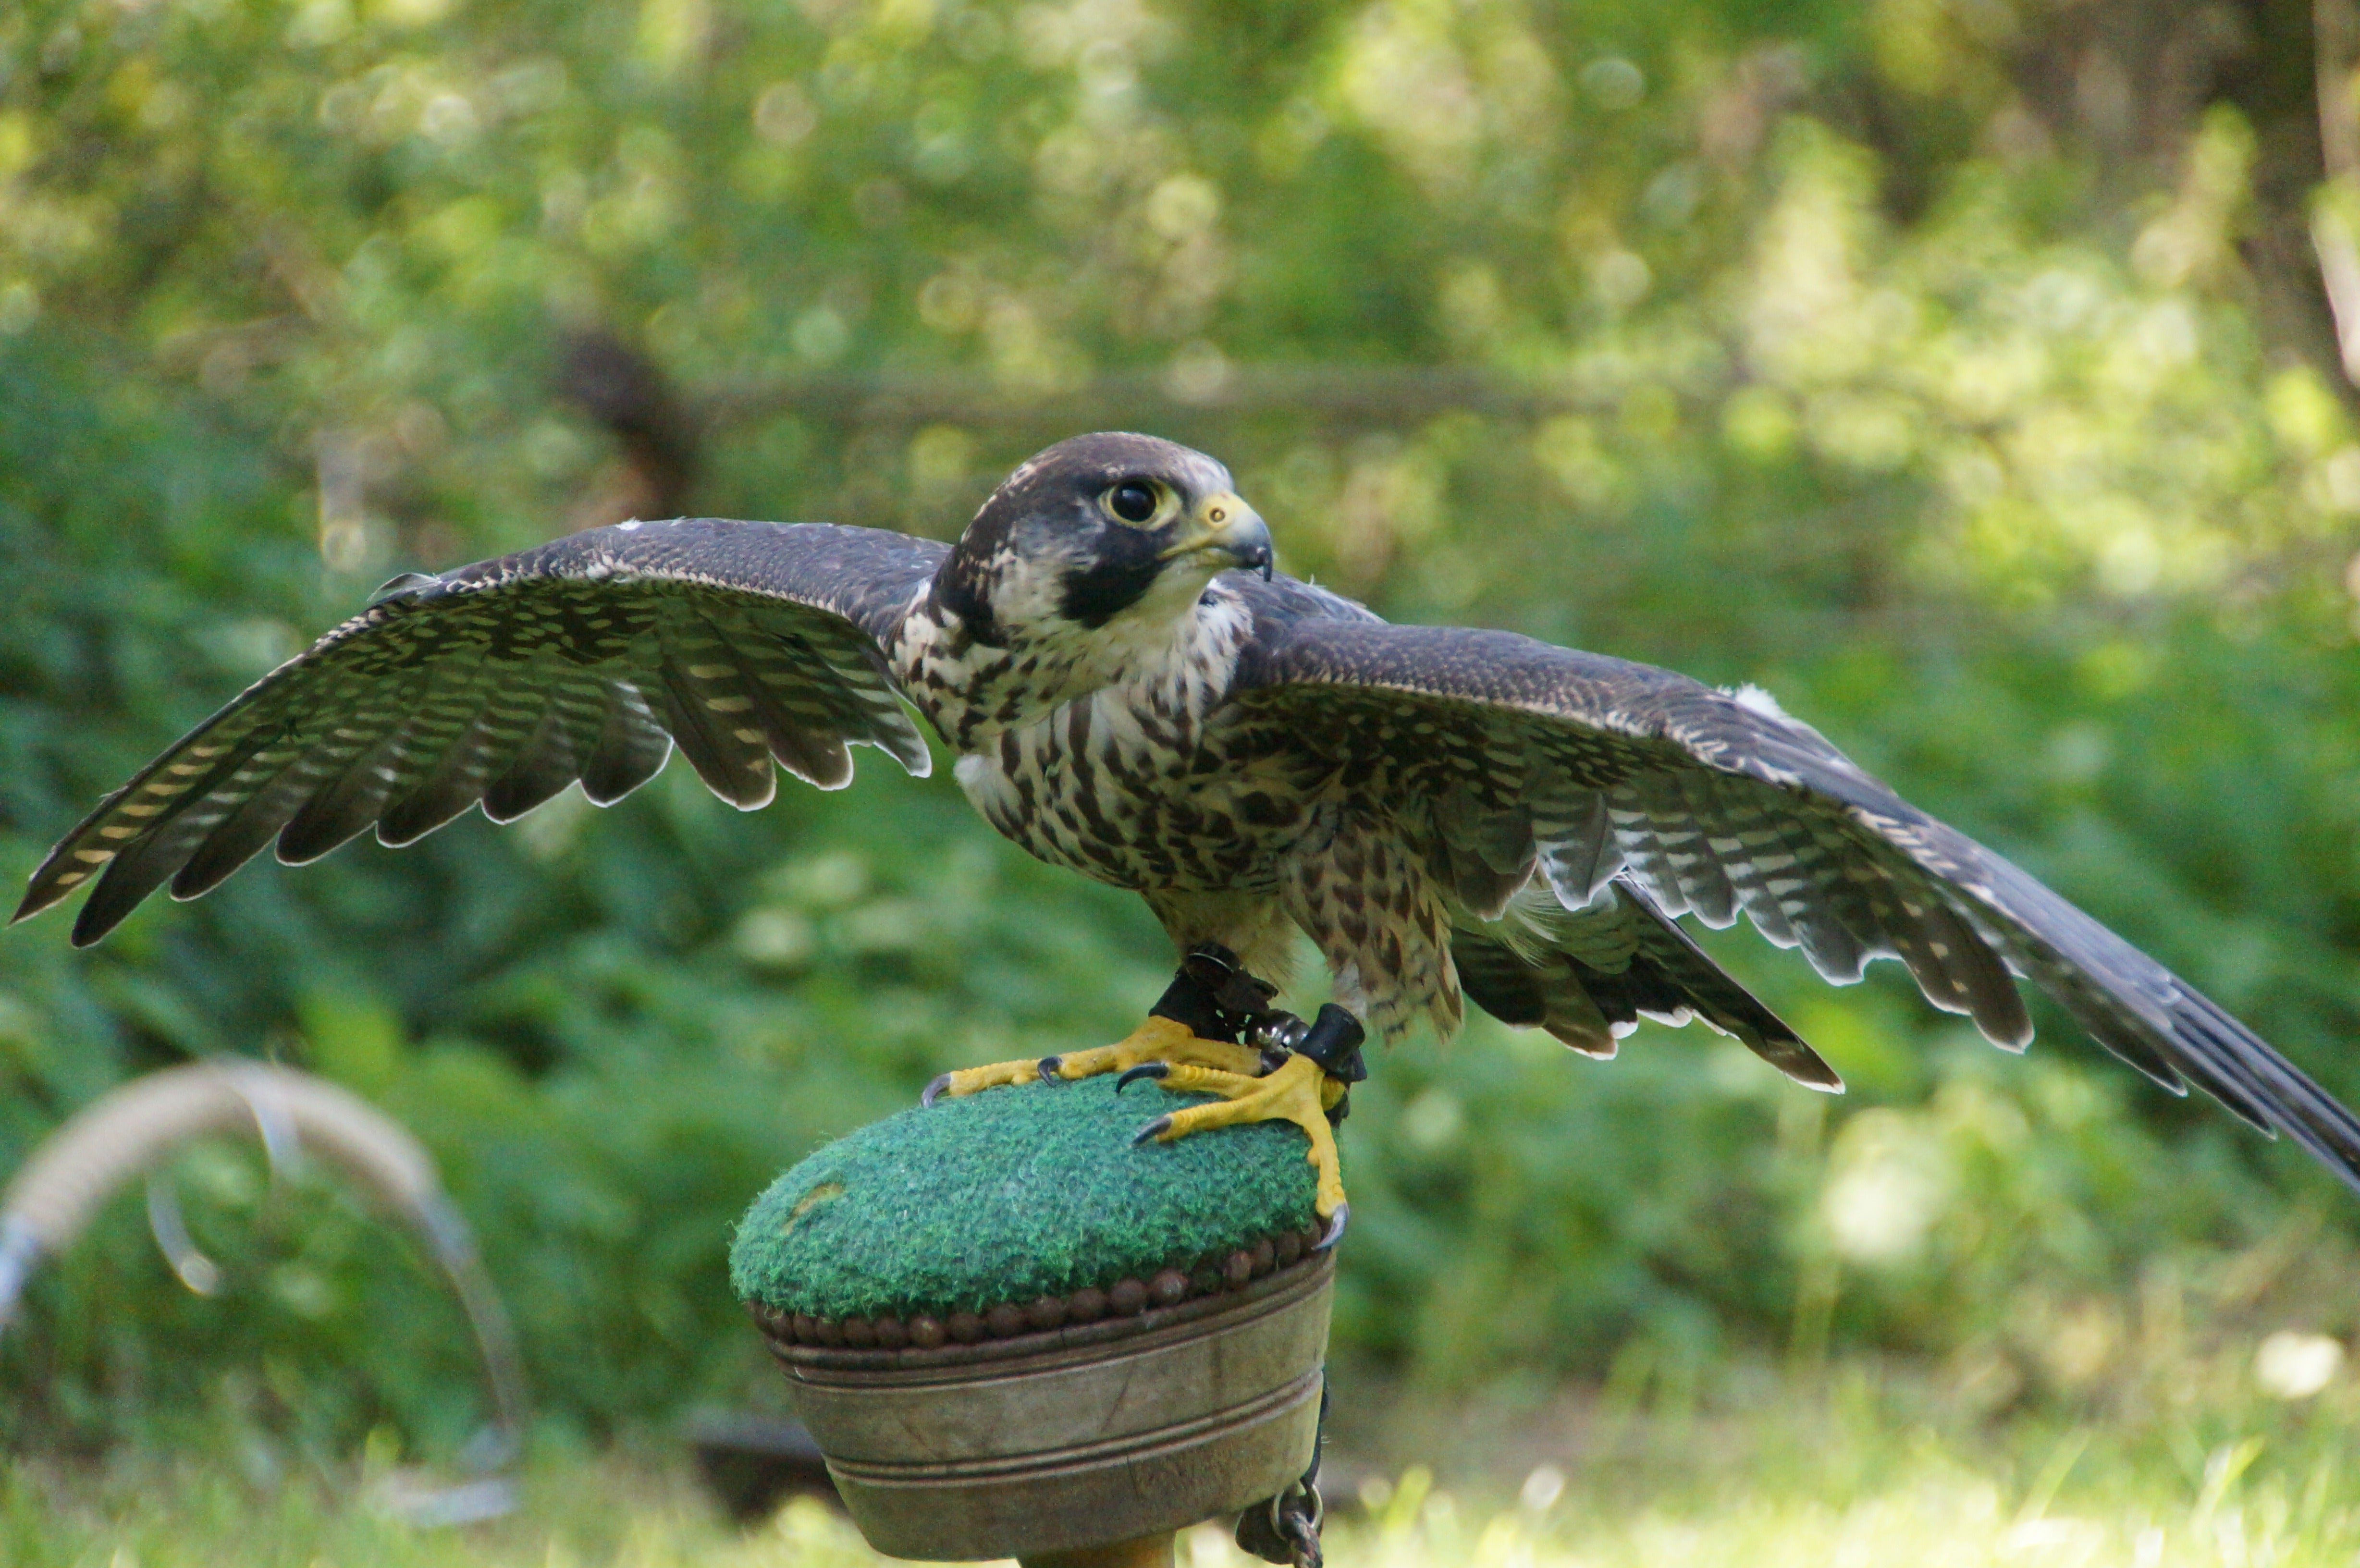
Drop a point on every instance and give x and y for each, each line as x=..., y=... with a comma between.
x=1298, y=1092
x=1157, y=1039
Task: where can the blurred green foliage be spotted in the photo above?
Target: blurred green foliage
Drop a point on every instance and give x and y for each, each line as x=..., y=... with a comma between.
x=1805, y=344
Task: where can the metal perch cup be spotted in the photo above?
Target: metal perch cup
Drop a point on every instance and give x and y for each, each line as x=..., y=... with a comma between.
x=1076, y=1437
x=1013, y=1331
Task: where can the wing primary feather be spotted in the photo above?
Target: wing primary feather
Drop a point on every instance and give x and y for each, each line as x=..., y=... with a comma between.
x=1843, y=883
x=736, y=768
x=1578, y=848
x=510, y=716
x=147, y=861
x=766, y=682
x=156, y=801
x=1795, y=874
x=350, y=800
x=2116, y=1033
x=553, y=757
x=128, y=879
x=2306, y=1112
x=1677, y=823
x=631, y=749
x=1742, y=837
x=1976, y=976
x=2134, y=1007
x=1725, y=1004
x=248, y=830
x=1642, y=857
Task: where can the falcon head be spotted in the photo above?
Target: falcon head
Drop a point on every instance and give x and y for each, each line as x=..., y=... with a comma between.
x=1101, y=531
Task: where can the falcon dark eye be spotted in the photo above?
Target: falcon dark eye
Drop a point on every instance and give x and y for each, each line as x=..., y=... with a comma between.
x=1132, y=500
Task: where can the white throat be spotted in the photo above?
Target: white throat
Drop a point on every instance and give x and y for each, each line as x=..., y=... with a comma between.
x=1179, y=645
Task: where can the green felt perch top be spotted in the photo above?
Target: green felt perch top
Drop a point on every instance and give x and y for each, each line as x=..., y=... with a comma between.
x=1013, y=1195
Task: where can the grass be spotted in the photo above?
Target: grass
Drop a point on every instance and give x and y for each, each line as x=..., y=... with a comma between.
x=1854, y=1465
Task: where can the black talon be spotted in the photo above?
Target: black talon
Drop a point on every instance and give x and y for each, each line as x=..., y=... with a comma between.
x=934, y=1090
x=1047, y=1068
x=1335, y=1227
x=1144, y=1070
x=1153, y=1129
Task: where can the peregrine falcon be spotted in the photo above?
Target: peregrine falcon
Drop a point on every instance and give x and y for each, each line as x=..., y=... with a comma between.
x=1130, y=692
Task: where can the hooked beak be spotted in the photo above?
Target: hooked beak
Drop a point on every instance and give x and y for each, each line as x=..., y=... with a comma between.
x=1226, y=527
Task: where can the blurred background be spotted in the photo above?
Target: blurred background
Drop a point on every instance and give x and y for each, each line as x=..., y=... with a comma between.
x=1966, y=371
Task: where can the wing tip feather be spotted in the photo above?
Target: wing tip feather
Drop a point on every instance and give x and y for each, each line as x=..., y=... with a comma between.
x=93, y=922
x=1799, y=1063
x=2016, y=1041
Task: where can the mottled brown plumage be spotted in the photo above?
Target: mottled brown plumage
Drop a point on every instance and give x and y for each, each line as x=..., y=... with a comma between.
x=1446, y=812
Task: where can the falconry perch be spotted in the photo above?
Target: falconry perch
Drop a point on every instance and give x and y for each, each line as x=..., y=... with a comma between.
x=1131, y=693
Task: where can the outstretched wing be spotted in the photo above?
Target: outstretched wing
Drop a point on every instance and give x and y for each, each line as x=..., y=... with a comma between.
x=587, y=658
x=1586, y=768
